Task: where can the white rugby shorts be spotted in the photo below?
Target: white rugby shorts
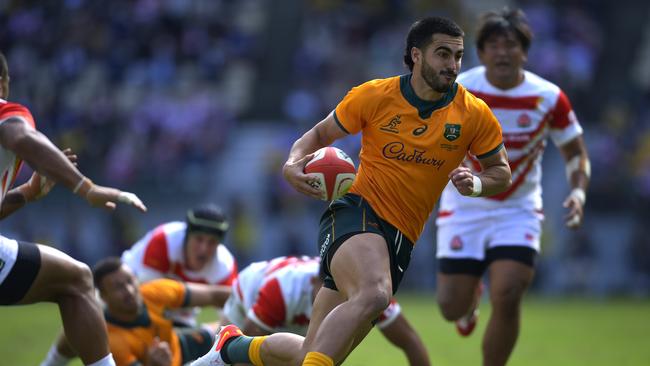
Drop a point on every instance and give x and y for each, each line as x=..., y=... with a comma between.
x=471, y=239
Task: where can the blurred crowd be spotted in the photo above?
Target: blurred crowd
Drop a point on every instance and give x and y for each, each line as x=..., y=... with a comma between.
x=151, y=93
x=142, y=89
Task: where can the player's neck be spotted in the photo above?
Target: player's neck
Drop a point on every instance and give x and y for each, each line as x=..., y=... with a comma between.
x=423, y=90
x=505, y=82
x=123, y=316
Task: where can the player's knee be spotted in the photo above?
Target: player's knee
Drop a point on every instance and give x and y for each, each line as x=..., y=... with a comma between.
x=450, y=309
x=79, y=279
x=507, y=297
x=373, y=301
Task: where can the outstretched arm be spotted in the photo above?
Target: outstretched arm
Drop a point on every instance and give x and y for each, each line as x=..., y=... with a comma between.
x=400, y=333
x=45, y=158
x=323, y=134
x=578, y=172
x=495, y=177
x=208, y=295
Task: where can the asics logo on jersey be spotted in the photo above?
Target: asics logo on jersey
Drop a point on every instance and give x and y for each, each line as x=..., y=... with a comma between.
x=397, y=151
x=452, y=131
x=391, y=126
x=420, y=130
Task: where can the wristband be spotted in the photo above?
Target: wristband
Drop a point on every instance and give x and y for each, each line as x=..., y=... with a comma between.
x=477, y=186
x=78, y=189
x=78, y=186
x=579, y=194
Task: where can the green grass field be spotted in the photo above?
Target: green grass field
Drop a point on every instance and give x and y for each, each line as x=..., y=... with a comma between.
x=555, y=332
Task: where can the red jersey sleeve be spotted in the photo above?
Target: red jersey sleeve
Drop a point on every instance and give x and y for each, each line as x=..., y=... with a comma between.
x=8, y=110
x=156, y=255
x=562, y=112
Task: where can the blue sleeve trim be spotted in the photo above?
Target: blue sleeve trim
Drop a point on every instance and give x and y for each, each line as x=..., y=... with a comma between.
x=491, y=152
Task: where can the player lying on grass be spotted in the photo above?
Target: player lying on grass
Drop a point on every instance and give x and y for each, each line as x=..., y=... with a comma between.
x=138, y=330
x=277, y=295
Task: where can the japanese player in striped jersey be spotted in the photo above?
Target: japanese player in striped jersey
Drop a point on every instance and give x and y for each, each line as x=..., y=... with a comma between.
x=501, y=234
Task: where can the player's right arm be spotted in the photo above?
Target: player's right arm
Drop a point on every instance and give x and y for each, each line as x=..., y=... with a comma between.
x=44, y=157
x=206, y=295
x=324, y=133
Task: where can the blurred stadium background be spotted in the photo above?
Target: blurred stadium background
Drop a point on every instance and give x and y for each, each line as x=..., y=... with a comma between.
x=188, y=101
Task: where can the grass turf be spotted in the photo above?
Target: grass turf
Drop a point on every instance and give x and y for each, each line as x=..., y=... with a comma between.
x=554, y=332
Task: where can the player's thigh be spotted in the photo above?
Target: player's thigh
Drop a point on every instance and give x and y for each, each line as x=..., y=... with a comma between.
x=20, y=263
x=461, y=261
x=511, y=255
x=519, y=229
x=59, y=275
x=362, y=263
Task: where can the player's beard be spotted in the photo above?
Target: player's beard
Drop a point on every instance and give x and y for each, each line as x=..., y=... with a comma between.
x=431, y=78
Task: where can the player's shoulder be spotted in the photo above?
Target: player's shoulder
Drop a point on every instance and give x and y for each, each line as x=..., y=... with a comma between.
x=378, y=88
x=537, y=85
x=468, y=101
x=471, y=76
x=11, y=109
x=224, y=255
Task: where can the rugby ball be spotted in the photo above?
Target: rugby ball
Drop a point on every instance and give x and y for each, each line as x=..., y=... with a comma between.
x=334, y=172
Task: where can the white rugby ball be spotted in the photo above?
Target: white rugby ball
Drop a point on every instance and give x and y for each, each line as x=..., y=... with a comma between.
x=334, y=171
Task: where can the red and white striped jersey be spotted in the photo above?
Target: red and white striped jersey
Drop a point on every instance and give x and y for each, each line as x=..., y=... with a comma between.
x=528, y=114
x=159, y=254
x=277, y=294
x=9, y=163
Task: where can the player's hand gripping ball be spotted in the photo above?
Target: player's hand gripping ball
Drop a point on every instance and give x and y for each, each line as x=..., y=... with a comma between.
x=334, y=171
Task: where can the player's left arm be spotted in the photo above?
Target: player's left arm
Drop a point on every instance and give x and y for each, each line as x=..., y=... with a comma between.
x=578, y=172
x=400, y=333
x=495, y=176
x=207, y=295
x=34, y=189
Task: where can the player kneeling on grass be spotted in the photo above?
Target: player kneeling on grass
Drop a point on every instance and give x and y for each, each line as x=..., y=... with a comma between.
x=139, y=332
x=277, y=295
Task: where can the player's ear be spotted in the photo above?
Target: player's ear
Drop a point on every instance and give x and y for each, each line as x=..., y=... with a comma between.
x=416, y=55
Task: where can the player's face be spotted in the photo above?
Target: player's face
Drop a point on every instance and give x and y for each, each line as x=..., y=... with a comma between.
x=120, y=291
x=200, y=250
x=503, y=57
x=440, y=62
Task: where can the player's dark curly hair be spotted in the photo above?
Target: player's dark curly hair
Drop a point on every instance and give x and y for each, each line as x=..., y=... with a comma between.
x=421, y=34
x=105, y=267
x=505, y=21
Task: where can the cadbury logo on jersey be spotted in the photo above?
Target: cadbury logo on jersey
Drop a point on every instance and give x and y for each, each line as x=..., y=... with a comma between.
x=391, y=126
x=397, y=151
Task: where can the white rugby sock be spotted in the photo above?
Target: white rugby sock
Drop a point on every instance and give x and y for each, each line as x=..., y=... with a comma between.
x=54, y=358
x=106, y=361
